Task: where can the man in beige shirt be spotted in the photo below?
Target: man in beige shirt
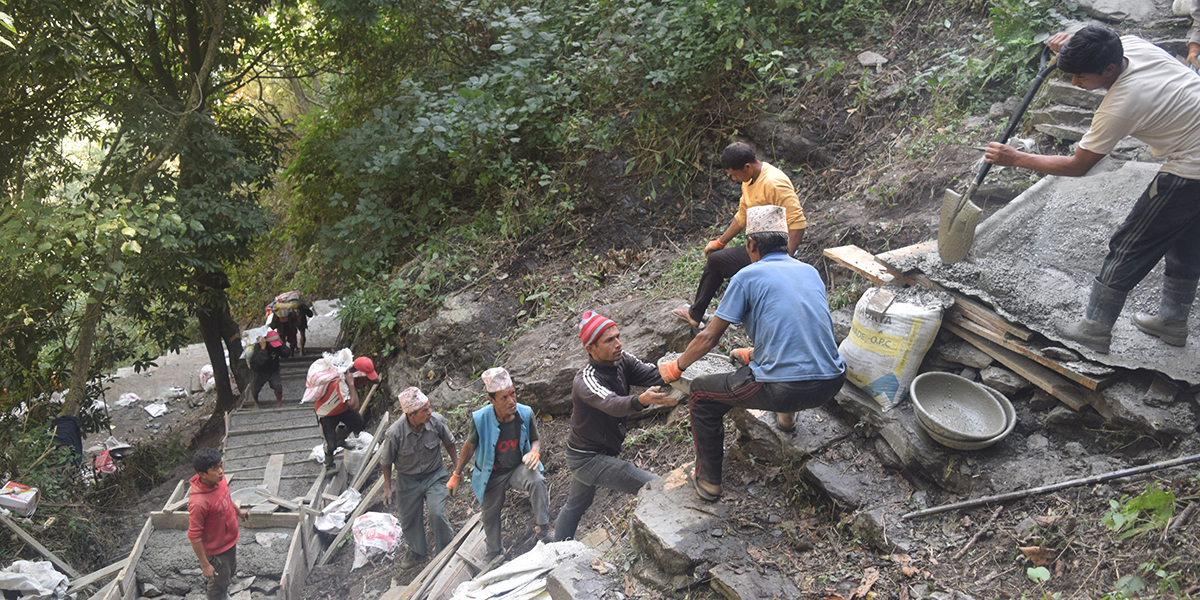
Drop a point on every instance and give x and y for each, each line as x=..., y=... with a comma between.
x=762, y=184
x=1156, y=99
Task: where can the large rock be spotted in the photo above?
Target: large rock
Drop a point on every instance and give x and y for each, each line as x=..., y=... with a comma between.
x=786, y=143
x=678, y=530
x=1141, y=402
x=1070, y=133
x=1062, y=115
x=544, y=361
x=578, y=580
x=1004, y=381
x=463, y=335
x=748, y=581
x=452, y=392
x=1118, y=10
x=962, y=353
x=816, y=429
x=1063, y=92
x=909, y=444
x=843, y=321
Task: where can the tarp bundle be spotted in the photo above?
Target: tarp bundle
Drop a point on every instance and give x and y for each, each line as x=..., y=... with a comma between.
x=524, y=577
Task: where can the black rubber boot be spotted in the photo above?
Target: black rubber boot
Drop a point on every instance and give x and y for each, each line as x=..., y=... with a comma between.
x=1095, y=329
x=1170, y=324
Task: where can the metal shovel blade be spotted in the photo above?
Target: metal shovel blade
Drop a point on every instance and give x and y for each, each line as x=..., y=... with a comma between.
x=956, y=227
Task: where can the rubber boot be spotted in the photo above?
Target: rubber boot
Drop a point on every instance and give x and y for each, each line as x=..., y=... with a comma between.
x=1095, y=329
x=1170, y=324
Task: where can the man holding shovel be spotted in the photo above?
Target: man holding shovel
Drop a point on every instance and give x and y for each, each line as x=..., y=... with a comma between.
x=1156, y=99
x=795, y=362
x=762, y=184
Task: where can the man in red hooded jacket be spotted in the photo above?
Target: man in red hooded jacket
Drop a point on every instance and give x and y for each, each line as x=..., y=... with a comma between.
x=213, y=522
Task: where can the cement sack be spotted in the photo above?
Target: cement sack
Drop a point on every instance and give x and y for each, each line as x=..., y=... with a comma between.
x=207, y=381
x=356, y=450
x=33, y=580
x=523, y=577
x=374, y=534
x=883, y=355
x=333, y=517
x=326, y=371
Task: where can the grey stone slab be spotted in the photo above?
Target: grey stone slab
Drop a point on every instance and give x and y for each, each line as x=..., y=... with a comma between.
x=854, y=483
x=843, y=321
x=908, y=442
x=674, y=527
x=579, y=580
x=1071, y=133
x=1118, y=10
x=1138, y=403
x=747, y=582
x=816, y=429
x=1062, y=115
x=962, y=353
x=1035, y=259
x=1063, y=92
x=1004, y=381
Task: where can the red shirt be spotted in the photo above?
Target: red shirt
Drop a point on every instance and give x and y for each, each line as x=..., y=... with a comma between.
x=212, y=517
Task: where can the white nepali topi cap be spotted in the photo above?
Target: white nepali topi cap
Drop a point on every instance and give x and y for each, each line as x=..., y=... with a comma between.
x=412, y=400
x=496, y=379
x=766, y=219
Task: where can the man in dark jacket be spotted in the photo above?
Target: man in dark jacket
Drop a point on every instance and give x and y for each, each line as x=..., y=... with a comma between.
x=601, y=401
x=265, y=364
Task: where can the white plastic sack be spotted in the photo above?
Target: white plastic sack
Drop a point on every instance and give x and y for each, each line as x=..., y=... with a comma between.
x=325, y=371
x=374, y=534
x=34, y=580
x=127, y=398
x=359, y=441
x=523, y=577
x=207, y=382
x=333, y=517
x=157, y=409
x=883, y=355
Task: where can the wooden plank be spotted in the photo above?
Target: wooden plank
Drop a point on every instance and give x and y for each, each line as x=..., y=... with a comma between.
x=295, y=571
x=1054, y=384
x=1028, y=351
x=424, y=578
x=286, y=464
x=860, y=261
x=29, y=539
x=880, y=301
x=273, y=473
x=362, y=408
x=269, y=497
x=892, y=256
x=179, y=520
x=126, y=581
x=105, y=591
x=181, y=491
x=82, y=582
x=458, y=570
x=365, y=467
x=367, y=500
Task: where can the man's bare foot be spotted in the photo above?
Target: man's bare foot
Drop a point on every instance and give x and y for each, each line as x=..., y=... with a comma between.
x=786, y=421
x=684, y=315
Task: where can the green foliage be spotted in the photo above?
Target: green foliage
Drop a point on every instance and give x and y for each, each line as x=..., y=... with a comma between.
x=1148, y=511
x=1038, y=575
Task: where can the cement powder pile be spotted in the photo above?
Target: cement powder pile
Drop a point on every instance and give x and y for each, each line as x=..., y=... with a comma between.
x=709, y=364
x=1034, y=261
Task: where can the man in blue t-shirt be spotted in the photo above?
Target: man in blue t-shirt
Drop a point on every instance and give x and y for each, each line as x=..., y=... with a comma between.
x=794, y=364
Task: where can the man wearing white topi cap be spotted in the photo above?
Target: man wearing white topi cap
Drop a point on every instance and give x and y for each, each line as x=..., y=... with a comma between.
x=795, y=363
x=410, y=445
x=504, y=439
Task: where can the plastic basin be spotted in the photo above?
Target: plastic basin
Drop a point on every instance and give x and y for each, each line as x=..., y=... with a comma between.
x=1009, y=411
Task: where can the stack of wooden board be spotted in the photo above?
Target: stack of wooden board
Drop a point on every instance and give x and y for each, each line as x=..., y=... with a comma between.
x=1072, y=381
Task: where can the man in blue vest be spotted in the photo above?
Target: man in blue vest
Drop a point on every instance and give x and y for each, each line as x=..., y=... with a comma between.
x=504, y=441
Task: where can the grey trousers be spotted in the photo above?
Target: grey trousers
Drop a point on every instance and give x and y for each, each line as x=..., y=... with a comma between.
x=416, y=493
x=493, y=500
x=224, y=565
x=588, y=472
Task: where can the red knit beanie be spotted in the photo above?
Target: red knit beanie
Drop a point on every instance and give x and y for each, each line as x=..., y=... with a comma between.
x=591, y=325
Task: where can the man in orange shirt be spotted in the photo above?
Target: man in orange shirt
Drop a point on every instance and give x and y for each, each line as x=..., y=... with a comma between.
x=338, y=403
x=762, y=184
x=213, y=522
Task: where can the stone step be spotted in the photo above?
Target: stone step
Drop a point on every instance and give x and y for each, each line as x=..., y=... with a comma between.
x=579, y=579
x=1118, y=10
x=678, y=530
x=1062, y=114
x=1062, y=92
x=1062, y=132
x=750, y=582
x=816, y=429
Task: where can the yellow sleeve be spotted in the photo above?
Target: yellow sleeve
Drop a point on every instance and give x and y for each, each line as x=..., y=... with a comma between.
x=740, y=217
x=785, y=195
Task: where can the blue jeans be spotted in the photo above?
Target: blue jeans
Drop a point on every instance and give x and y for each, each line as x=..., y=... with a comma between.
x=589, y=471
x=414, y=493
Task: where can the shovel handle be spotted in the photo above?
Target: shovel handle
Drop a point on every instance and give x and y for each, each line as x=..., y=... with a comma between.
x=1045, y=66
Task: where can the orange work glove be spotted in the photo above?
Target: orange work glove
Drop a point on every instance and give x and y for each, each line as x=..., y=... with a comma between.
x=713, y=246
x=741, y=356
x=670, y=371
x=452, y=485
x=531, y=459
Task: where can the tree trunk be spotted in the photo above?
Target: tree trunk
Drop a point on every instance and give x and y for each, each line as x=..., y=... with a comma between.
x=210, y=330
x=83, y=352
x=231, y=333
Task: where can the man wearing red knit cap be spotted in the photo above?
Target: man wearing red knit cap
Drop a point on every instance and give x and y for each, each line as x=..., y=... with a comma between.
x=601, y=401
